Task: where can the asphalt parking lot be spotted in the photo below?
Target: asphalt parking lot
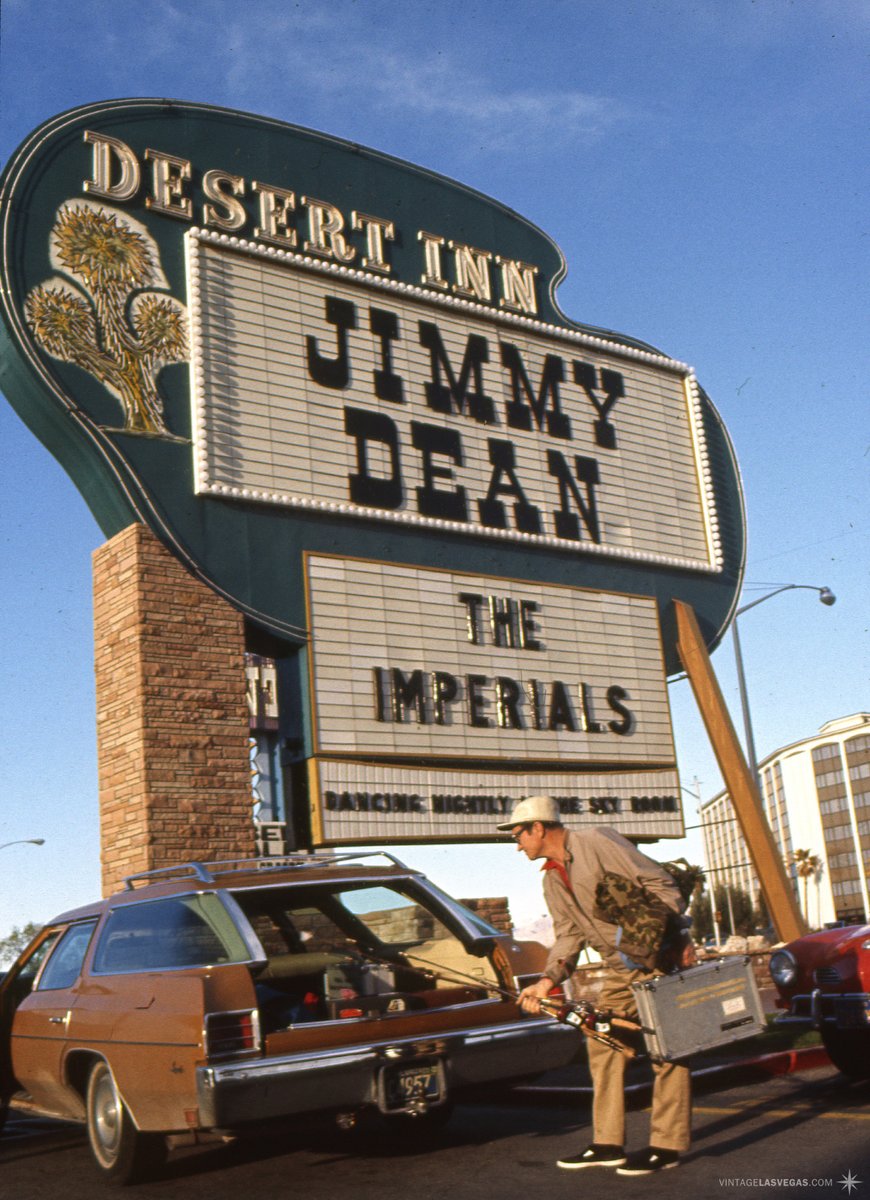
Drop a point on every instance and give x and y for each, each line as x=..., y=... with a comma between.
x=770, y=1130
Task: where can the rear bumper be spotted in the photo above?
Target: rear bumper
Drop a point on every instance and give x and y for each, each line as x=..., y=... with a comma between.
x=347, y=1077
x=818, y=1009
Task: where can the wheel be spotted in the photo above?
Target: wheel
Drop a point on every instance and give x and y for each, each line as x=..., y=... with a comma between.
x=122, y=1153
x=849, y=1051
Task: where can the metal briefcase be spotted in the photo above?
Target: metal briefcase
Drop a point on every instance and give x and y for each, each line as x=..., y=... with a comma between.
x=700, y=1008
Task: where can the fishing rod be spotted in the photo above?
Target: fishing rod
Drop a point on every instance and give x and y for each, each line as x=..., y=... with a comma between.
x=581, y=1014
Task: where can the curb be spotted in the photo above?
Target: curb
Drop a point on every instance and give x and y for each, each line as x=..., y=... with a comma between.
x=782, y=1062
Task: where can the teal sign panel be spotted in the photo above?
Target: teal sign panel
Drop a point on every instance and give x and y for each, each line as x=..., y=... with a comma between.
x=264, y=342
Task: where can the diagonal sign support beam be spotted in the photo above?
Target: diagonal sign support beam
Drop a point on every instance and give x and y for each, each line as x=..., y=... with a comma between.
x=742, y=788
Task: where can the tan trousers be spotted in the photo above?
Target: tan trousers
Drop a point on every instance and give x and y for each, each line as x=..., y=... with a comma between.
x=671, y=1117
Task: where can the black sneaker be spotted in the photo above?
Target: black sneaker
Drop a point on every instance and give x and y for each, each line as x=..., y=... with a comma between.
x=647, y=1162
x=596, y=1155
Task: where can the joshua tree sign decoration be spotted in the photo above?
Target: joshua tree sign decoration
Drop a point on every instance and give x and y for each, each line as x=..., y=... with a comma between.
x=113, y=327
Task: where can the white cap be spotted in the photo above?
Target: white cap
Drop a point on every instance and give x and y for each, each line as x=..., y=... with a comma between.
x=533, y=808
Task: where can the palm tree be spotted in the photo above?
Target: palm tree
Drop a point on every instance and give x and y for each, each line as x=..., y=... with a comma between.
x=807, y=865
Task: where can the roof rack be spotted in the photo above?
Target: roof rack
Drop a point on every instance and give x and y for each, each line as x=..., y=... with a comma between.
x=206, y=872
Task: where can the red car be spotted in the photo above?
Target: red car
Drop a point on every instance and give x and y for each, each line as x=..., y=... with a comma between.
x=823, y=980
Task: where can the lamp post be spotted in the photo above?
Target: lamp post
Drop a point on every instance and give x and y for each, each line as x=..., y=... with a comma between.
x=24, y=842
x=826, y=596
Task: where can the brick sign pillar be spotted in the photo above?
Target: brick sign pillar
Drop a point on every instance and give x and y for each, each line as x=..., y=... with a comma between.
x=172, y=720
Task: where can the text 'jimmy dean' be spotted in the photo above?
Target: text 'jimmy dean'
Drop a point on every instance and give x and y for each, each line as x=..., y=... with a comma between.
x=332, y=390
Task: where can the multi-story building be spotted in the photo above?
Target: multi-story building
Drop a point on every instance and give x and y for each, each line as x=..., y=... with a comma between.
x=816, y=796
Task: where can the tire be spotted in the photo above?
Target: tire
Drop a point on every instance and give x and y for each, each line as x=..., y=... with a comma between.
x=121, y=1152
x=849, y=1051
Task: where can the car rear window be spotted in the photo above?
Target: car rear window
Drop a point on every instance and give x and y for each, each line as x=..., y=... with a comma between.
x=184, y=931
x=300, y=925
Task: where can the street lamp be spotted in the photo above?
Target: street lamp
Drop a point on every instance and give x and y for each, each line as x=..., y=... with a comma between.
x=24, y=842
x=826, y=596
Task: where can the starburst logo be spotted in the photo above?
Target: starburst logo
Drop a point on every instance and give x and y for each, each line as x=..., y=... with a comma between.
x=849, y=1181
x=113, y=328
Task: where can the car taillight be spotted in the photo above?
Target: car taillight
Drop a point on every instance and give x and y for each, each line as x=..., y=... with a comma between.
x=231, y=1033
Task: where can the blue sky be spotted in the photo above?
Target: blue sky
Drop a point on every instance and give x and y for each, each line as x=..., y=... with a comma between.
x=702, y=166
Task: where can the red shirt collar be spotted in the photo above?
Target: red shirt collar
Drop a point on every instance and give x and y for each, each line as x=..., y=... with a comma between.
x=552, y=865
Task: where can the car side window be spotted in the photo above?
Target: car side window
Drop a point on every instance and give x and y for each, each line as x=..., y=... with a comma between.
x=159, y=935
x=65, y=964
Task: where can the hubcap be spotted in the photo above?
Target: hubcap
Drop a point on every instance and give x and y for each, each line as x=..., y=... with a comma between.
x=106, y=1115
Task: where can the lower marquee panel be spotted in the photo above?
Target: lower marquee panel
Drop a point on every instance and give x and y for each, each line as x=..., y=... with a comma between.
x=365, y=802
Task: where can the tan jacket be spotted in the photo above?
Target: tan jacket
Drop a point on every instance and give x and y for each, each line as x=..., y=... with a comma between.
x=589, y=854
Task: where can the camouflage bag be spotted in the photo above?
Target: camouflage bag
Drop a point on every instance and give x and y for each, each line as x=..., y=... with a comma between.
x=642, y=919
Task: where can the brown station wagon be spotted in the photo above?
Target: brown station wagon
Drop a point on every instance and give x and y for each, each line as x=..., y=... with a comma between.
x=212, y=997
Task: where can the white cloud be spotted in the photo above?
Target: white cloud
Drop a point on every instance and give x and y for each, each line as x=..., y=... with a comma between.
x=328, y=57
x=504, y=116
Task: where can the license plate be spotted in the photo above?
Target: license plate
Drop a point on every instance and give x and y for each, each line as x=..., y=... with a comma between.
x=402, y=1088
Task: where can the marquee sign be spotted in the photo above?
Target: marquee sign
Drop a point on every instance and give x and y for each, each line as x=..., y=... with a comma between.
x=293, y=356
x=414, y=666
x=361, y=802
x=420, y=662
x=359, y=396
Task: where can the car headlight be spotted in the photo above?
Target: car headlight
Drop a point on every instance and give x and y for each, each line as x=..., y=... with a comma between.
x=783, y=968
x=865, y=945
